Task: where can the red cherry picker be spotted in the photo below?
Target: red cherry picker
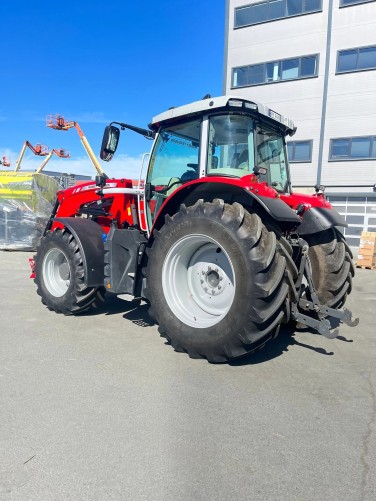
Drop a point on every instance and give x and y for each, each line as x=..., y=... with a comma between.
x=5, y=162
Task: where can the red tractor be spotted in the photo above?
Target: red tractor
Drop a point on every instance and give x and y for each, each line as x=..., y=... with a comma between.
x=215, y=239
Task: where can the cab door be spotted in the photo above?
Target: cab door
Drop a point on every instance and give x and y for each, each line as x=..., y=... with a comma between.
x=174, y=161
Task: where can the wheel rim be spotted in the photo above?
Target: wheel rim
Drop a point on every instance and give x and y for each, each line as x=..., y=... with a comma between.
x=198, y=281
x=56, y=272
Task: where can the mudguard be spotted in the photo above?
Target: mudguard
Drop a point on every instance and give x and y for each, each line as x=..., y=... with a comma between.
x=89, y=238
x=277, y=209
x=318, y=219
x=230, y=192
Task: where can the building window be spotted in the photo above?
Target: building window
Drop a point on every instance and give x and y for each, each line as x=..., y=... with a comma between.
x=360, y=59
x=275, y=71
x=353, y=148
x=299, y=151
x=345, y=3
x=271, y=10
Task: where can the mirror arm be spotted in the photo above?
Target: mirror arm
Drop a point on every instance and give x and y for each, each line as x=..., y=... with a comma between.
x=144, y=132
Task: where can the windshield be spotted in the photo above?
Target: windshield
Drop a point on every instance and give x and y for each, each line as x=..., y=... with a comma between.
x=230, y=140
x=271, y=154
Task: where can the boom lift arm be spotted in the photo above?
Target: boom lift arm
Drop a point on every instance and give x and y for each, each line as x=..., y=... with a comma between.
x=39, y=150
x=59, y=123
x=60, y=153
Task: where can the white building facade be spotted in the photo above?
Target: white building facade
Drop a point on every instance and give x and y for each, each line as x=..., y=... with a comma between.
x=315, y=62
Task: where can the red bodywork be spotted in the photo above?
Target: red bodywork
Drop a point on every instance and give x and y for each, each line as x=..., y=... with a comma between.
x=120, y=208
x=262, y=189
x=120, y=205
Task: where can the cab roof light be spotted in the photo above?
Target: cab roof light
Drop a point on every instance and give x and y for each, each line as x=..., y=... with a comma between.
x=251, y=106
x=236, y=103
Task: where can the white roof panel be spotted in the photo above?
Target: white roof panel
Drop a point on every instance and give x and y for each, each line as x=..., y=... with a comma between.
x=211, y=104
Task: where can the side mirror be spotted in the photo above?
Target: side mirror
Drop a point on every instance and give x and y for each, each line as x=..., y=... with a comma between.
x=260, y=170
x=109, y=142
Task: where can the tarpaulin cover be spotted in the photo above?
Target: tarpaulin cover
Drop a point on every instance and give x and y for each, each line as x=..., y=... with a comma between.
x=26, y=201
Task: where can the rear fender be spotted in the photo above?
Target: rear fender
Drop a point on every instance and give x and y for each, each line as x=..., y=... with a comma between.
x=318, y=219
x=89, y=238
x=275, y=208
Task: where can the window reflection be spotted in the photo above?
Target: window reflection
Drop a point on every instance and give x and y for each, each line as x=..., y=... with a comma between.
x=353, y=148
x=299, y=151
x=271, y=10
x=274, y=71
x=362, y=58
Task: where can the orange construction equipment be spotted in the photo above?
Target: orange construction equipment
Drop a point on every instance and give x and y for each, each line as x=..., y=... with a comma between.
x=40, y=150
x=4, y=161
x=60, y=153
x=58, y=122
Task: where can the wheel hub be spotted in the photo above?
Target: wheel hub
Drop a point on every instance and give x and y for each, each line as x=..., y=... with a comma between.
x=211, y=279
x=56, y=272
x=198, y=281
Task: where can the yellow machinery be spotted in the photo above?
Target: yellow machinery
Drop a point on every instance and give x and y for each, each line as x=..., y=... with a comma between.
x=26, y=200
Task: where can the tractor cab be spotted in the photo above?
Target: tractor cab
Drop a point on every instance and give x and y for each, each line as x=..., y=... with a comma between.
x=220, y=137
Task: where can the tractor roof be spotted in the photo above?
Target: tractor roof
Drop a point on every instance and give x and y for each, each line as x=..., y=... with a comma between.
x=233, y=103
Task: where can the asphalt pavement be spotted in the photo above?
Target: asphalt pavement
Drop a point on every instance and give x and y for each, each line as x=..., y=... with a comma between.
x=98, y=407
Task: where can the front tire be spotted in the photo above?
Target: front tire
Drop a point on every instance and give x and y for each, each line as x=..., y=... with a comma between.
x=216, y=281
x=60, y=275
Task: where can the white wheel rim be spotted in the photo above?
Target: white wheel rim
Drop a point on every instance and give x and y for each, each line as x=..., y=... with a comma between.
x=56, y=272
x=198, y=281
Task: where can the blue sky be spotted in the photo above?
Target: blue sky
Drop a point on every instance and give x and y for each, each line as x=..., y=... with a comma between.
x=94, y=62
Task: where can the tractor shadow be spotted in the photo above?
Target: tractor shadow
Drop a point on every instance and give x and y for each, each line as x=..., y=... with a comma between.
x=277, y=347
x=134, y=310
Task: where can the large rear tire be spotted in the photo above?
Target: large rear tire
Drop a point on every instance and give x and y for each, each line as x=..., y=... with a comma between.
x=60, y=275
x=216, y=281
x=332, y=266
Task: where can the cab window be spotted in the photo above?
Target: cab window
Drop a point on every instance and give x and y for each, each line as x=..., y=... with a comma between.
x=230, y=149
x=174, y=161
x=271, y=154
